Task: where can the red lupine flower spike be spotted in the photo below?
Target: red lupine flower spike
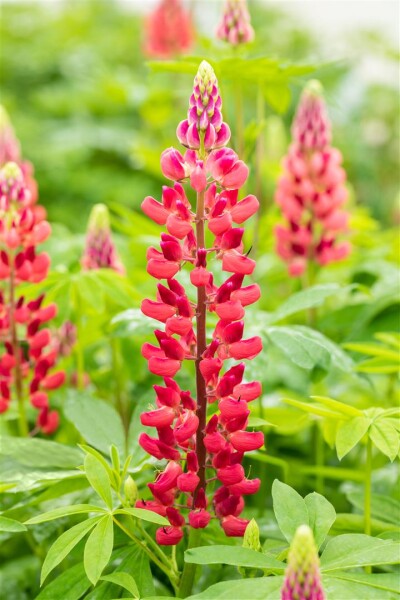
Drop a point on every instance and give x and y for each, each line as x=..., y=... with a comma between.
x=215, y=173
x=22, y=227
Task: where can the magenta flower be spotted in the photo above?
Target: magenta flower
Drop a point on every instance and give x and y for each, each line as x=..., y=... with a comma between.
x=198, y=450
x=100, y=251
x=235, y=27
x=311, y=191
x=302, y=578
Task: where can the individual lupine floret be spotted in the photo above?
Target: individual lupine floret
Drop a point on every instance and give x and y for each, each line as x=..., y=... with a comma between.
x=235, y=27
x=311, y=191
x=169, y=30
x=26, y=365
x=204, y=115
x=100, y=251
x=200, y=451
x=302, y=578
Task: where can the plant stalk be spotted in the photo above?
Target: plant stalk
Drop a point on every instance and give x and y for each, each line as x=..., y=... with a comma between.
x=201, y=346
x=22, y=421
x=319, y=458
x=189, y=570
x=173, y=578
x=368, y=493
x=258, y=169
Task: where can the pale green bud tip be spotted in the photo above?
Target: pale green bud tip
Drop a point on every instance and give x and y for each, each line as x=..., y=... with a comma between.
x=251, y=538
x=11, y=172
x=314, y=88
x=206, y=73
x=4, y=118
x=130, y=490
x=99, y=218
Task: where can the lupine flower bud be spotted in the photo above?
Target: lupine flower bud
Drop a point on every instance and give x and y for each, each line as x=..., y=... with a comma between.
x=302, y=579
x=235, y=27
x=311, y=191
x=130, y=491
x=169, y=30
x=251, y=537
x=204, y=123
x=100, y=252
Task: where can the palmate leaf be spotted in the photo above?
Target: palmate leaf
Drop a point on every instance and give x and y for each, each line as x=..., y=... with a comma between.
x=382, y=507
x=259, y=588
x=70, y=585
x=98, y=549
x=349, y=586
x=292, y=511
x=385, y=437
x=64, y=544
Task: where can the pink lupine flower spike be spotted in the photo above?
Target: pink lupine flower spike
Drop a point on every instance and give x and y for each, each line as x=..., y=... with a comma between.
x=311, y=191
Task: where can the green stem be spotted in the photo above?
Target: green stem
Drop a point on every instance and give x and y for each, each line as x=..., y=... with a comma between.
x=155, y=547
x=22, y=420
x=189, y=570
x=367, y=493
x=173, y=578
x=80, y=359
x=319, y=458
x=239, y=119
x=258, y=169
x=116, y=367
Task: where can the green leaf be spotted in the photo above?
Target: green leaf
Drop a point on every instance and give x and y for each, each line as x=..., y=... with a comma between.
x=98, y=478
x=40, y=453
x=144, y=515
x=278, y=97
x=355, y=523
x=334, y=473
x=321, y=516
x=124, y=580
x=64, y=511
x=349, y=551
x=259, y=588
x=350, y=433
x=314, y=409
x=382, y=507
x=289, y=507
x=309, y=348
x=354, y=586
x=373, y=350
x=70, y=585
x=336, y=406
x=377, y=365
x=308, y=298
x=98, y=549
x=385, y=437
x=98, y=422
x=11, y=525
x=64, y=544
x=233, y=555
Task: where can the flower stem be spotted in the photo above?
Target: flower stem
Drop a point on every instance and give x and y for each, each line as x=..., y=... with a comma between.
x=80, y=360
x=319, y=446
x=259, y=162
x=367, y=493
x=201, y=346
x=171, y=576
x=22, y=421
x=189, y=570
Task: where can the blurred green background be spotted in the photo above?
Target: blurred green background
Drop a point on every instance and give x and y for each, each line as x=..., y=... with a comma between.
x=93, y=118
